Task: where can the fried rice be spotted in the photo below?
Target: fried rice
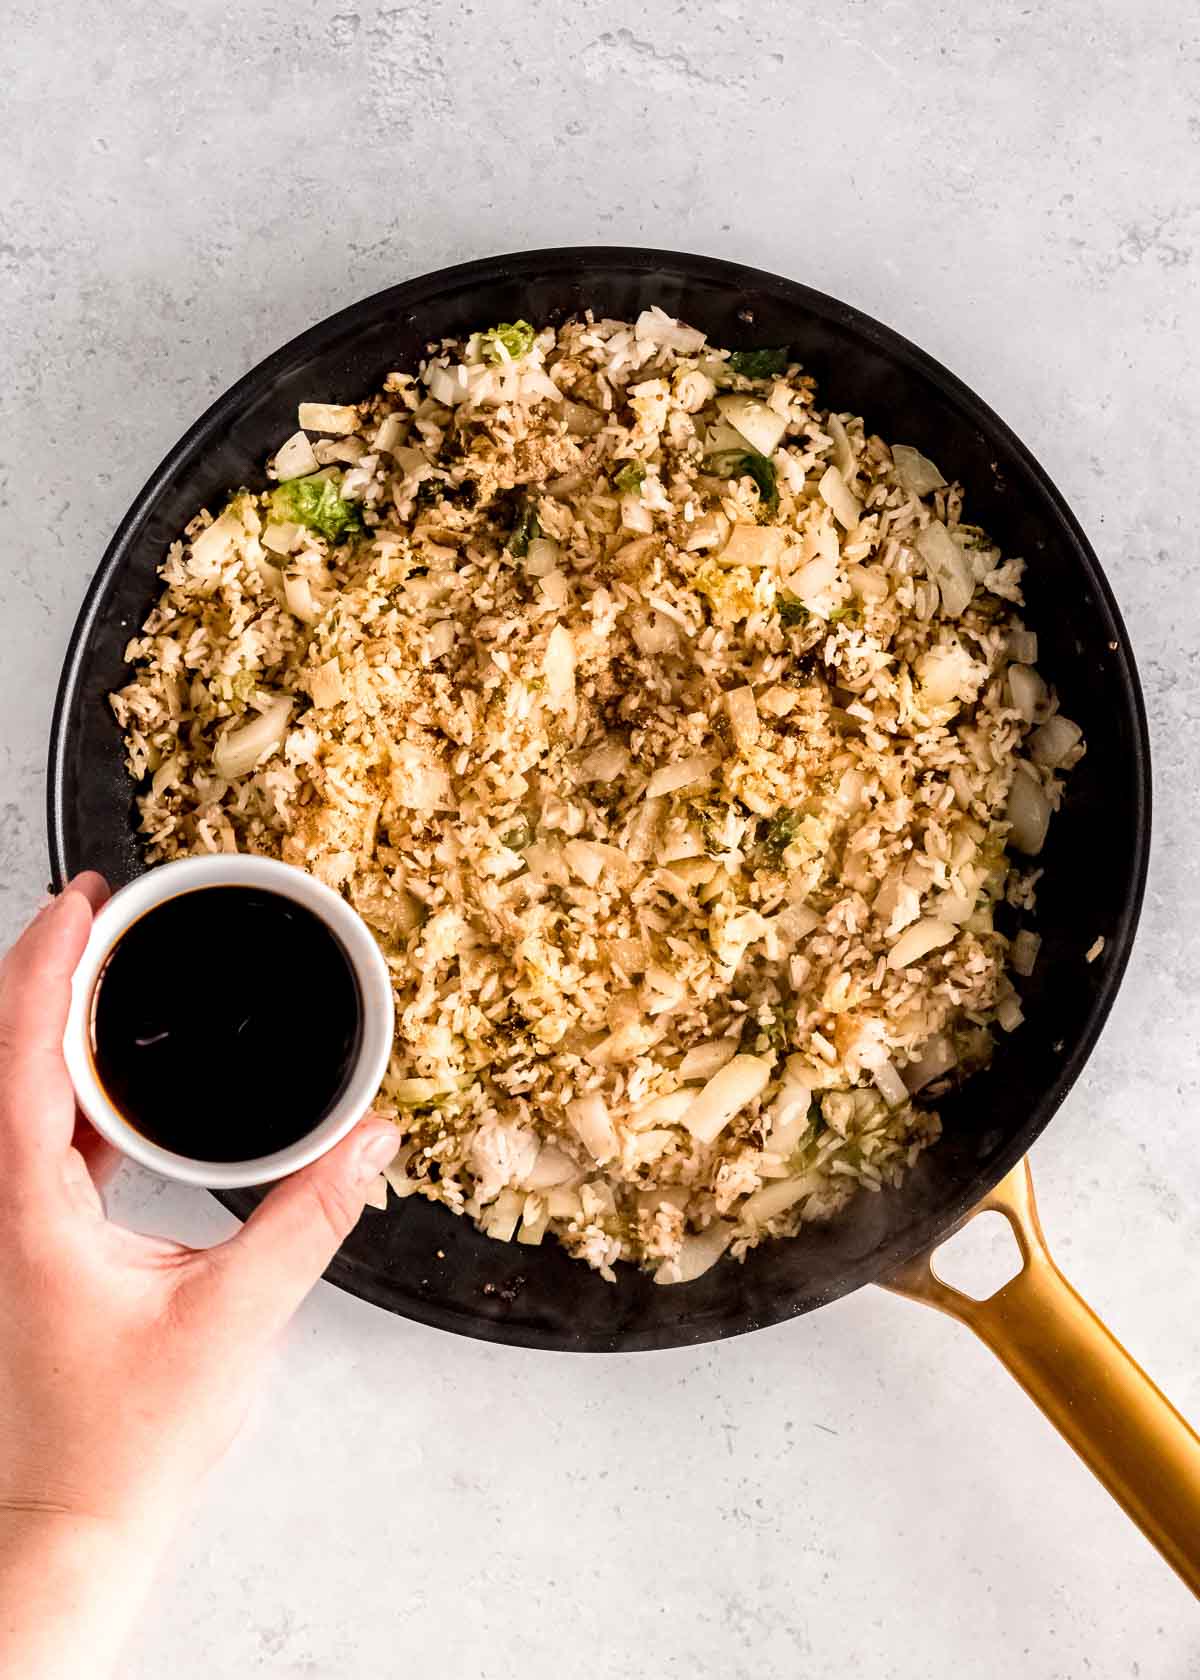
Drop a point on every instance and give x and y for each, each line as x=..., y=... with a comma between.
x=673, y=735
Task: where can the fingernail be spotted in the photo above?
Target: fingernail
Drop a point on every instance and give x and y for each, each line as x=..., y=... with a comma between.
x=376, y=1150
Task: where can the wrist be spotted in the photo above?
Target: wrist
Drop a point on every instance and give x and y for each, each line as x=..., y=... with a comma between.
x=71, y=1585
x=44, y=1525
x=117, y=1494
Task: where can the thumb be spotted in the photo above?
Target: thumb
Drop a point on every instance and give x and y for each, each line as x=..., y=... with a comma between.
x=37, y=1106
x=262, y=1274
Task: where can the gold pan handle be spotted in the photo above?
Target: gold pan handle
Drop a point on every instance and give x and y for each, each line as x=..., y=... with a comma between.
x=1098, y=1398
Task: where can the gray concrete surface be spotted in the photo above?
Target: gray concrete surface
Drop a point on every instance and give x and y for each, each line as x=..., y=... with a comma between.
x=1015, y=187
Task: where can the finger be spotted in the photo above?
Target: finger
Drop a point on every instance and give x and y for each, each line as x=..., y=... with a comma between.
x=37, y=1105
x=93, y=887
x=261, y=1275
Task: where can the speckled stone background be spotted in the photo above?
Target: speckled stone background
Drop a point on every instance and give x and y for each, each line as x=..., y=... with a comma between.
x=1014, y=186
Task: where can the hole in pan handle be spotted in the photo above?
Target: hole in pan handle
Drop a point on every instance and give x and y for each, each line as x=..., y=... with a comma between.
x=1099, y=1399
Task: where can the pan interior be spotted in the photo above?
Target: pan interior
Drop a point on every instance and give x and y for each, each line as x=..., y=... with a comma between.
x=417, y=1259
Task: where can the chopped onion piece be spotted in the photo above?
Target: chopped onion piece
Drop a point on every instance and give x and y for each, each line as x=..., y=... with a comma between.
x=829, y=544
x=338, y=418
x=652, y=1145
x=889, y=1084
x=347, y=450
x=282, y=537
x=409, y=913
x=417, y=783
x=299, y=596
x=546, y=863
x=1024, y=952
x=773, y=1199
x=778, y=700
x=843, y=455
x=582, y=421
x=559, y=668
x=698, y=1252
x=743, y=715
x=504, y=1215
x=789, y=1117
x=167, y=772
x=811, y=580
x=616, y=861
x=589, y=859
x=1054, y=742
x=946, y=672
x=535, y=1216
x=709, y=531
x=727, y=1092
x=655, y=326
x=761, y=427
x=295, y=458
x=929, y=934
x=447, y=385
x=703, y=1060
x=947, y=566
x=937, y=1058
x=240, y=751
x=604, y=763
x=555, y=590
x=553, y=1166
x=1023, y=646
x=666, y=1110
x=542, y=556
x=663, y=987
x=412, y=461
x=846, y=509
x=415, y=1092
x=218, y=542
x=960, y=781
x=564, y=1203
x=1028, y=812
x=915, y=471
x=635, y=515
x=590, y=1120
x=391, y=430
x=396, y=1175
x=653, y=633
x=598, y=1198
x=326, y=685
x=851, y=790
x=1029, y=692
x=793, y=924
x=535, y=382
x=641, y=835
x=442, y=637
x=954, y=907
x=689, y=872
x=685, y=772
x=720, y=437
x=753, y=545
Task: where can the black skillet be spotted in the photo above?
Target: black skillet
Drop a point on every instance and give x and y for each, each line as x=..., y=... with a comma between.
x=418, y=1260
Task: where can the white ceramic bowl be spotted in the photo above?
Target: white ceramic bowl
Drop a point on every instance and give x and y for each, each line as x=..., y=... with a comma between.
x=168, y=881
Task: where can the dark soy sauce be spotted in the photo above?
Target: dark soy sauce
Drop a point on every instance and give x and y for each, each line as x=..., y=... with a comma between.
x=226, y=1023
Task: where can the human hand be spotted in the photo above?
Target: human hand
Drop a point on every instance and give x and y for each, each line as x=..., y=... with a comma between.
x=127, y=1362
